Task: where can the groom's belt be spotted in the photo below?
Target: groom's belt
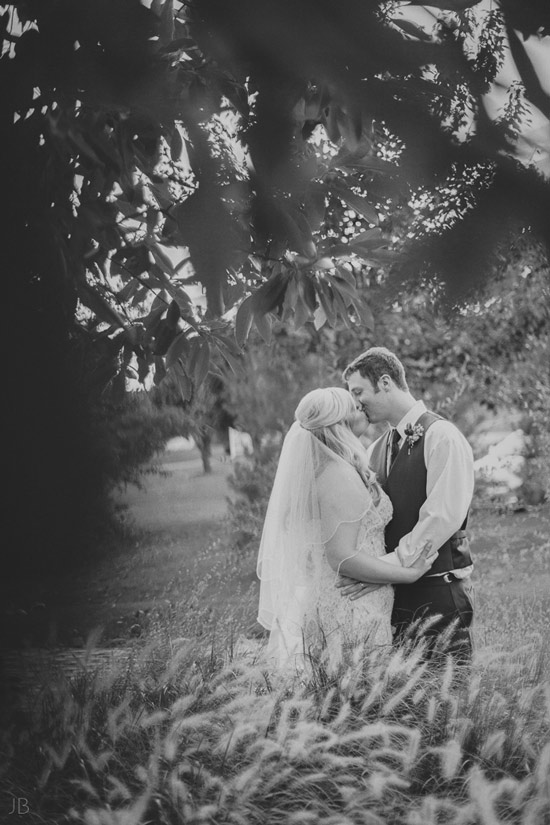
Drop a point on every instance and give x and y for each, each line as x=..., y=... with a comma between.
x=446, y=578
x=441, y=578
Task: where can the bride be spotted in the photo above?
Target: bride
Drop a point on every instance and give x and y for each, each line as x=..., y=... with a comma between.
x=326, y=516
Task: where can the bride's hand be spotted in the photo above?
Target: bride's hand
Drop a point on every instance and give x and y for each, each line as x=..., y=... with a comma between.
x=353, y=589
x=422, y=564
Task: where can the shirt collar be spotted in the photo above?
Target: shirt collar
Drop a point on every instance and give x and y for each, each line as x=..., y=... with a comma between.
x=411, y=417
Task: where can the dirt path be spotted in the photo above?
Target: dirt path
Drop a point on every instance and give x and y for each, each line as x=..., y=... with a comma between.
x=182, y=497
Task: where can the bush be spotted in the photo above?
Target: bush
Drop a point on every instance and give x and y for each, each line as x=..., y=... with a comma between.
x=251, y=481
x=131, y=433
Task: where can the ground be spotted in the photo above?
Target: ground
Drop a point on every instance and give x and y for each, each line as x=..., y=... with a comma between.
x=174, y=518
x=177, y=564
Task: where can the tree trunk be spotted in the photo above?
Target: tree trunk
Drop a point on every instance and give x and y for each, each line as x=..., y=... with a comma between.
x=205, y=447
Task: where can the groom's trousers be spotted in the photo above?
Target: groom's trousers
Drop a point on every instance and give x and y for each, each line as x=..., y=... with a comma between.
x=439, y=610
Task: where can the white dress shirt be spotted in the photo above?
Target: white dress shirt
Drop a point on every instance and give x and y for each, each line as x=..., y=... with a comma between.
x=449, y=487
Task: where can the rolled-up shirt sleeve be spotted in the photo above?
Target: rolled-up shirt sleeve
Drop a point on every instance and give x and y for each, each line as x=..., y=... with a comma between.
x=449, y=489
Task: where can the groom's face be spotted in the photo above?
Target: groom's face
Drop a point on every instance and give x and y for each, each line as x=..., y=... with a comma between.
x=371, y=400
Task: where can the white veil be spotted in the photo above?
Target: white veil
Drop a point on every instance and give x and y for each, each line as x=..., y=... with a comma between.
x=314, y=491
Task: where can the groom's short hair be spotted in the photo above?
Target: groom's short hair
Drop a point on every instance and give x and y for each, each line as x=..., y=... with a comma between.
x=376, y=362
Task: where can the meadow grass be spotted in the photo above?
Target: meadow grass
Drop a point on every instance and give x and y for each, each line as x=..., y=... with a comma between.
x=190, y=726
x=185, y=731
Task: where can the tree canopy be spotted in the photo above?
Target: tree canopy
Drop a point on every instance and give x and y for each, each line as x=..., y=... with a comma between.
x=227, y=145
x=279, y=156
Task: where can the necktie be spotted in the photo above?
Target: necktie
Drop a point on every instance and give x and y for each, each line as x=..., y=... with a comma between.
x=395, y=440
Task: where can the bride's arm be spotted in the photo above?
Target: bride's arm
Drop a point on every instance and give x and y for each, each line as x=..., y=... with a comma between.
x=367, y=568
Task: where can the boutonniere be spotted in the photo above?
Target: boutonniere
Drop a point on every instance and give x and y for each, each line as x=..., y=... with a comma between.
x=413, y=434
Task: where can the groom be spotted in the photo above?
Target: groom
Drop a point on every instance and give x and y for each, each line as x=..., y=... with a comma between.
x=425, y=465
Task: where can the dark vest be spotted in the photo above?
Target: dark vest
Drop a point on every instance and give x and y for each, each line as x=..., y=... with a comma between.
x=406, y=486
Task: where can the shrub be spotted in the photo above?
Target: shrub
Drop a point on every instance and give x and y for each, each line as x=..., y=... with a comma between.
x=251, y=481
x=131, y=433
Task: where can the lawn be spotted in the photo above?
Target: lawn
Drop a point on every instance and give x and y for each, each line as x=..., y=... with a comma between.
x=512, y=575
x=178, y=568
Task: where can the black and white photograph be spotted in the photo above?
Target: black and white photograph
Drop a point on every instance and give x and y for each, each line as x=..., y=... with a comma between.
x=277, y=489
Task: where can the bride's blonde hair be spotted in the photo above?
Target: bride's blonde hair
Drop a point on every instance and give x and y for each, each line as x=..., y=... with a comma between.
x=326, y=413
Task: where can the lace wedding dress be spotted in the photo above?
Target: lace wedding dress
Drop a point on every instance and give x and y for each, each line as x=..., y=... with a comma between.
x=314, y=492
x=333, y=623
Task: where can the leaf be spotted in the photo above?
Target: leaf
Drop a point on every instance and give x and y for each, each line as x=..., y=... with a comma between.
x=128, y=209
x=139, y=296
x=177, y=45
x=163, y=194
x=351, y=126
x=221, y=339
x=93, y=299
x=182, y=297
x=194, y=349
x=271, y=294
x=162, y=259
x=346, y=293
x=176, y=144
x=325, y=297
x=343, y=284
x=132, y=335
x=297, y=232
x=150, y=320
x=354, y=160
x=389, y=256
x=185, y=385
x=152, y=221
x=301, y=312
x=202, y=363
x=78, y=140
x=163, y=337
x=331, y=121
x=324, y=263
x=359, y=204
x=160, y=370
x=243, y=321
x=364, y=313
x=368, y=236
x=234, y=364
x=291, y=294
x=128, y=290
x=348, y=277
x=412, y=30
x=161, y=299
x=263, y=325
x=104, y=149
x=143, y=369
x=341, y=306
x=319, y=317
x=173, y=315
x=307, y=291
x=178, y=347
x=304, y=226
x=341, y=250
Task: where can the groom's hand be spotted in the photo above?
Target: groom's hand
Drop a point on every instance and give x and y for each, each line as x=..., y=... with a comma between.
x=354, y=589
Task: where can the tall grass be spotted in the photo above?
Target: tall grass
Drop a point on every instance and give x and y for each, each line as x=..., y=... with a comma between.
x=189, y=733
x=192, y=727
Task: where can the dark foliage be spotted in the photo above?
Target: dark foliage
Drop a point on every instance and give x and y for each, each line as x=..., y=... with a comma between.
x=99, y=102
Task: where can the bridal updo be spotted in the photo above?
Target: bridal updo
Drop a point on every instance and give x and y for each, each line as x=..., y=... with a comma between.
x=327, y=414
x=324, y=408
